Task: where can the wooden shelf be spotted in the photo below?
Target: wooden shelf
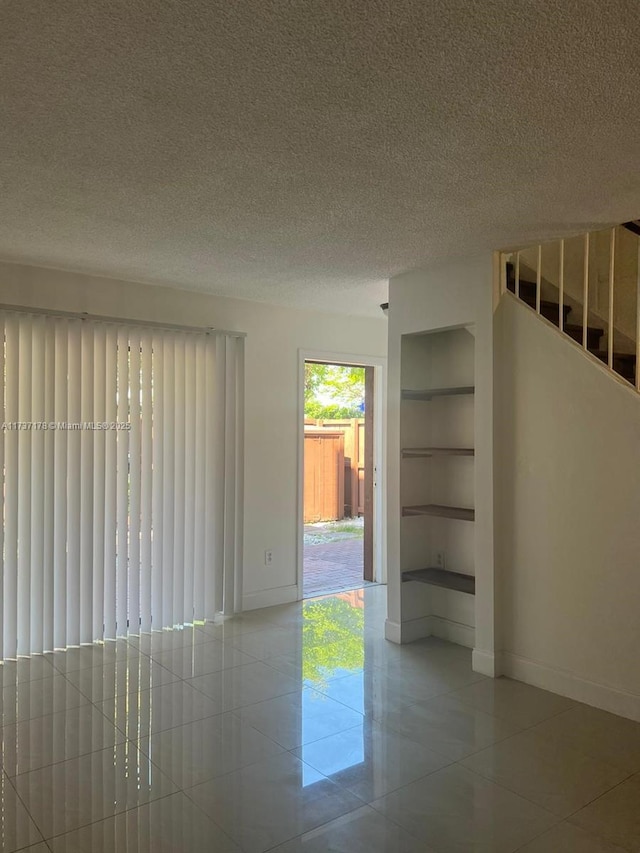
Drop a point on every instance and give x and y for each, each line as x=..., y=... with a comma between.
x=440, y=511
x=430, y=393
x=442, y=578
x=426, y=452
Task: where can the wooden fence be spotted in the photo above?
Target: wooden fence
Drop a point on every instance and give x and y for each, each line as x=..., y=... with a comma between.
x=333, y=469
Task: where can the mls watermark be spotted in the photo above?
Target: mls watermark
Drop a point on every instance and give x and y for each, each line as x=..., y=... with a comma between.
x=65, y=426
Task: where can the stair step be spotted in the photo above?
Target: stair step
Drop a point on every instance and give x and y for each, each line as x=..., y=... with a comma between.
x=624, y=363
x=593, y=335
x=549, y=310
x=527, y=289
x=527, y=292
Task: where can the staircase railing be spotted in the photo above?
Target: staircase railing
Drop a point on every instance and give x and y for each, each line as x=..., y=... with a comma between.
x=595, y=278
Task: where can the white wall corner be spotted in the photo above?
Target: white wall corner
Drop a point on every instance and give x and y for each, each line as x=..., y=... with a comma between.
x=270, y=597
x=565, y=683
x=486, y=663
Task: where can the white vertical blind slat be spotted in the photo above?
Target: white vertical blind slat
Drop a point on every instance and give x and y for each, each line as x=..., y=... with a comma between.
x=60, y=487
x=158, y=480
x=229, y=477
x=135, y=474
x=24, y=486
x=48, y=620
x=179, y=496
x=37, y=518
x=238, y=426
x=122, y=484
x=146, y=485
x=86, y=486
x=73, y=486
x=110, y=488
x=190, y=521
x=10, y=579
x=214, y=483
x=200, y=479
x=99, y=394
x=168, y=473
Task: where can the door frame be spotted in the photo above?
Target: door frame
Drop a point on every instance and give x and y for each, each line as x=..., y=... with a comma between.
x=379, y=364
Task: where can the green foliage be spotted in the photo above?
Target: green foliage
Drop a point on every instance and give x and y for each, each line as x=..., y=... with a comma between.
x=332, y=639
x=332, y=412
x=333, y=391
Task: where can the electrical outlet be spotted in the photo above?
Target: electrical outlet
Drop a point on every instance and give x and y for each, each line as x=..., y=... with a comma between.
x=440, y=559
x=268, y=558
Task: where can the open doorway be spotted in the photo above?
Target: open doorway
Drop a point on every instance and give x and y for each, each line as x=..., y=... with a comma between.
x=338, y=477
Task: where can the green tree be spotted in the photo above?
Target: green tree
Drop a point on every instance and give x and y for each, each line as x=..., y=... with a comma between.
x=333, y=391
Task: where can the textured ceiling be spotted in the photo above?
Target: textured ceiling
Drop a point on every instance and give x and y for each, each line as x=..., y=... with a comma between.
x=303, y=151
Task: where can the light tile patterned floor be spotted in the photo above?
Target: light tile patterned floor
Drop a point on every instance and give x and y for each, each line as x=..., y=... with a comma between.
x=299, y=729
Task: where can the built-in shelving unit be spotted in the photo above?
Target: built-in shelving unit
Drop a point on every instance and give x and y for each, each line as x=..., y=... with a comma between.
x=440, y=511
x=437, y=496
x=426, y=394
x=442, y=578
x=428, y=452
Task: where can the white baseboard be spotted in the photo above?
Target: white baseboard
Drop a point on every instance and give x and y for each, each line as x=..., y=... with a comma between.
x=486, y=663
x=269, y=597
x=430, y=626
x=392, y=632
x=416, y=629
x=407, y=632
x=455, y=632
x=567, y=684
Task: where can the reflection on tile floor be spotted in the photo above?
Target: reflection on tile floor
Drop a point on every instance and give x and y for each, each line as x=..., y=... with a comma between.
x=299, y=729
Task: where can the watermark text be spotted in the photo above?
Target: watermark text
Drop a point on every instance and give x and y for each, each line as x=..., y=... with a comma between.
x=65, y=426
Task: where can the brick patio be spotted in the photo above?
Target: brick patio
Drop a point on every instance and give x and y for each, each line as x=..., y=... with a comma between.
x=333, y=566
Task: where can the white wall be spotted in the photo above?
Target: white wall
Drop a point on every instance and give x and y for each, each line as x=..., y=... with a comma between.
x=454, y=294
x=568, y=516
x=274, y=336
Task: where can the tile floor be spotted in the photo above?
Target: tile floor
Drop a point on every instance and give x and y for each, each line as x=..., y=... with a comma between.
x=299, y=729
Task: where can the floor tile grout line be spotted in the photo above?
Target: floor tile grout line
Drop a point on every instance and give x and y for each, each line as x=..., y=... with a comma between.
x=529, y=729
x=215, y=823
x=449, y=763
x=531, y=840
x=603, y=794
x=491, y=782
x=176, y=678
x=522, y=796
x=111, y=817
x=28, y=811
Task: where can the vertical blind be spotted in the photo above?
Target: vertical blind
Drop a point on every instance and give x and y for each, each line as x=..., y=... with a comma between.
x=121, y=465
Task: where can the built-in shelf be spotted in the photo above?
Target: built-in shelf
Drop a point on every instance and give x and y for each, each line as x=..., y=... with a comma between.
x=443, y=578
x=440, y=511
x=430, y=393
x=426, y=452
